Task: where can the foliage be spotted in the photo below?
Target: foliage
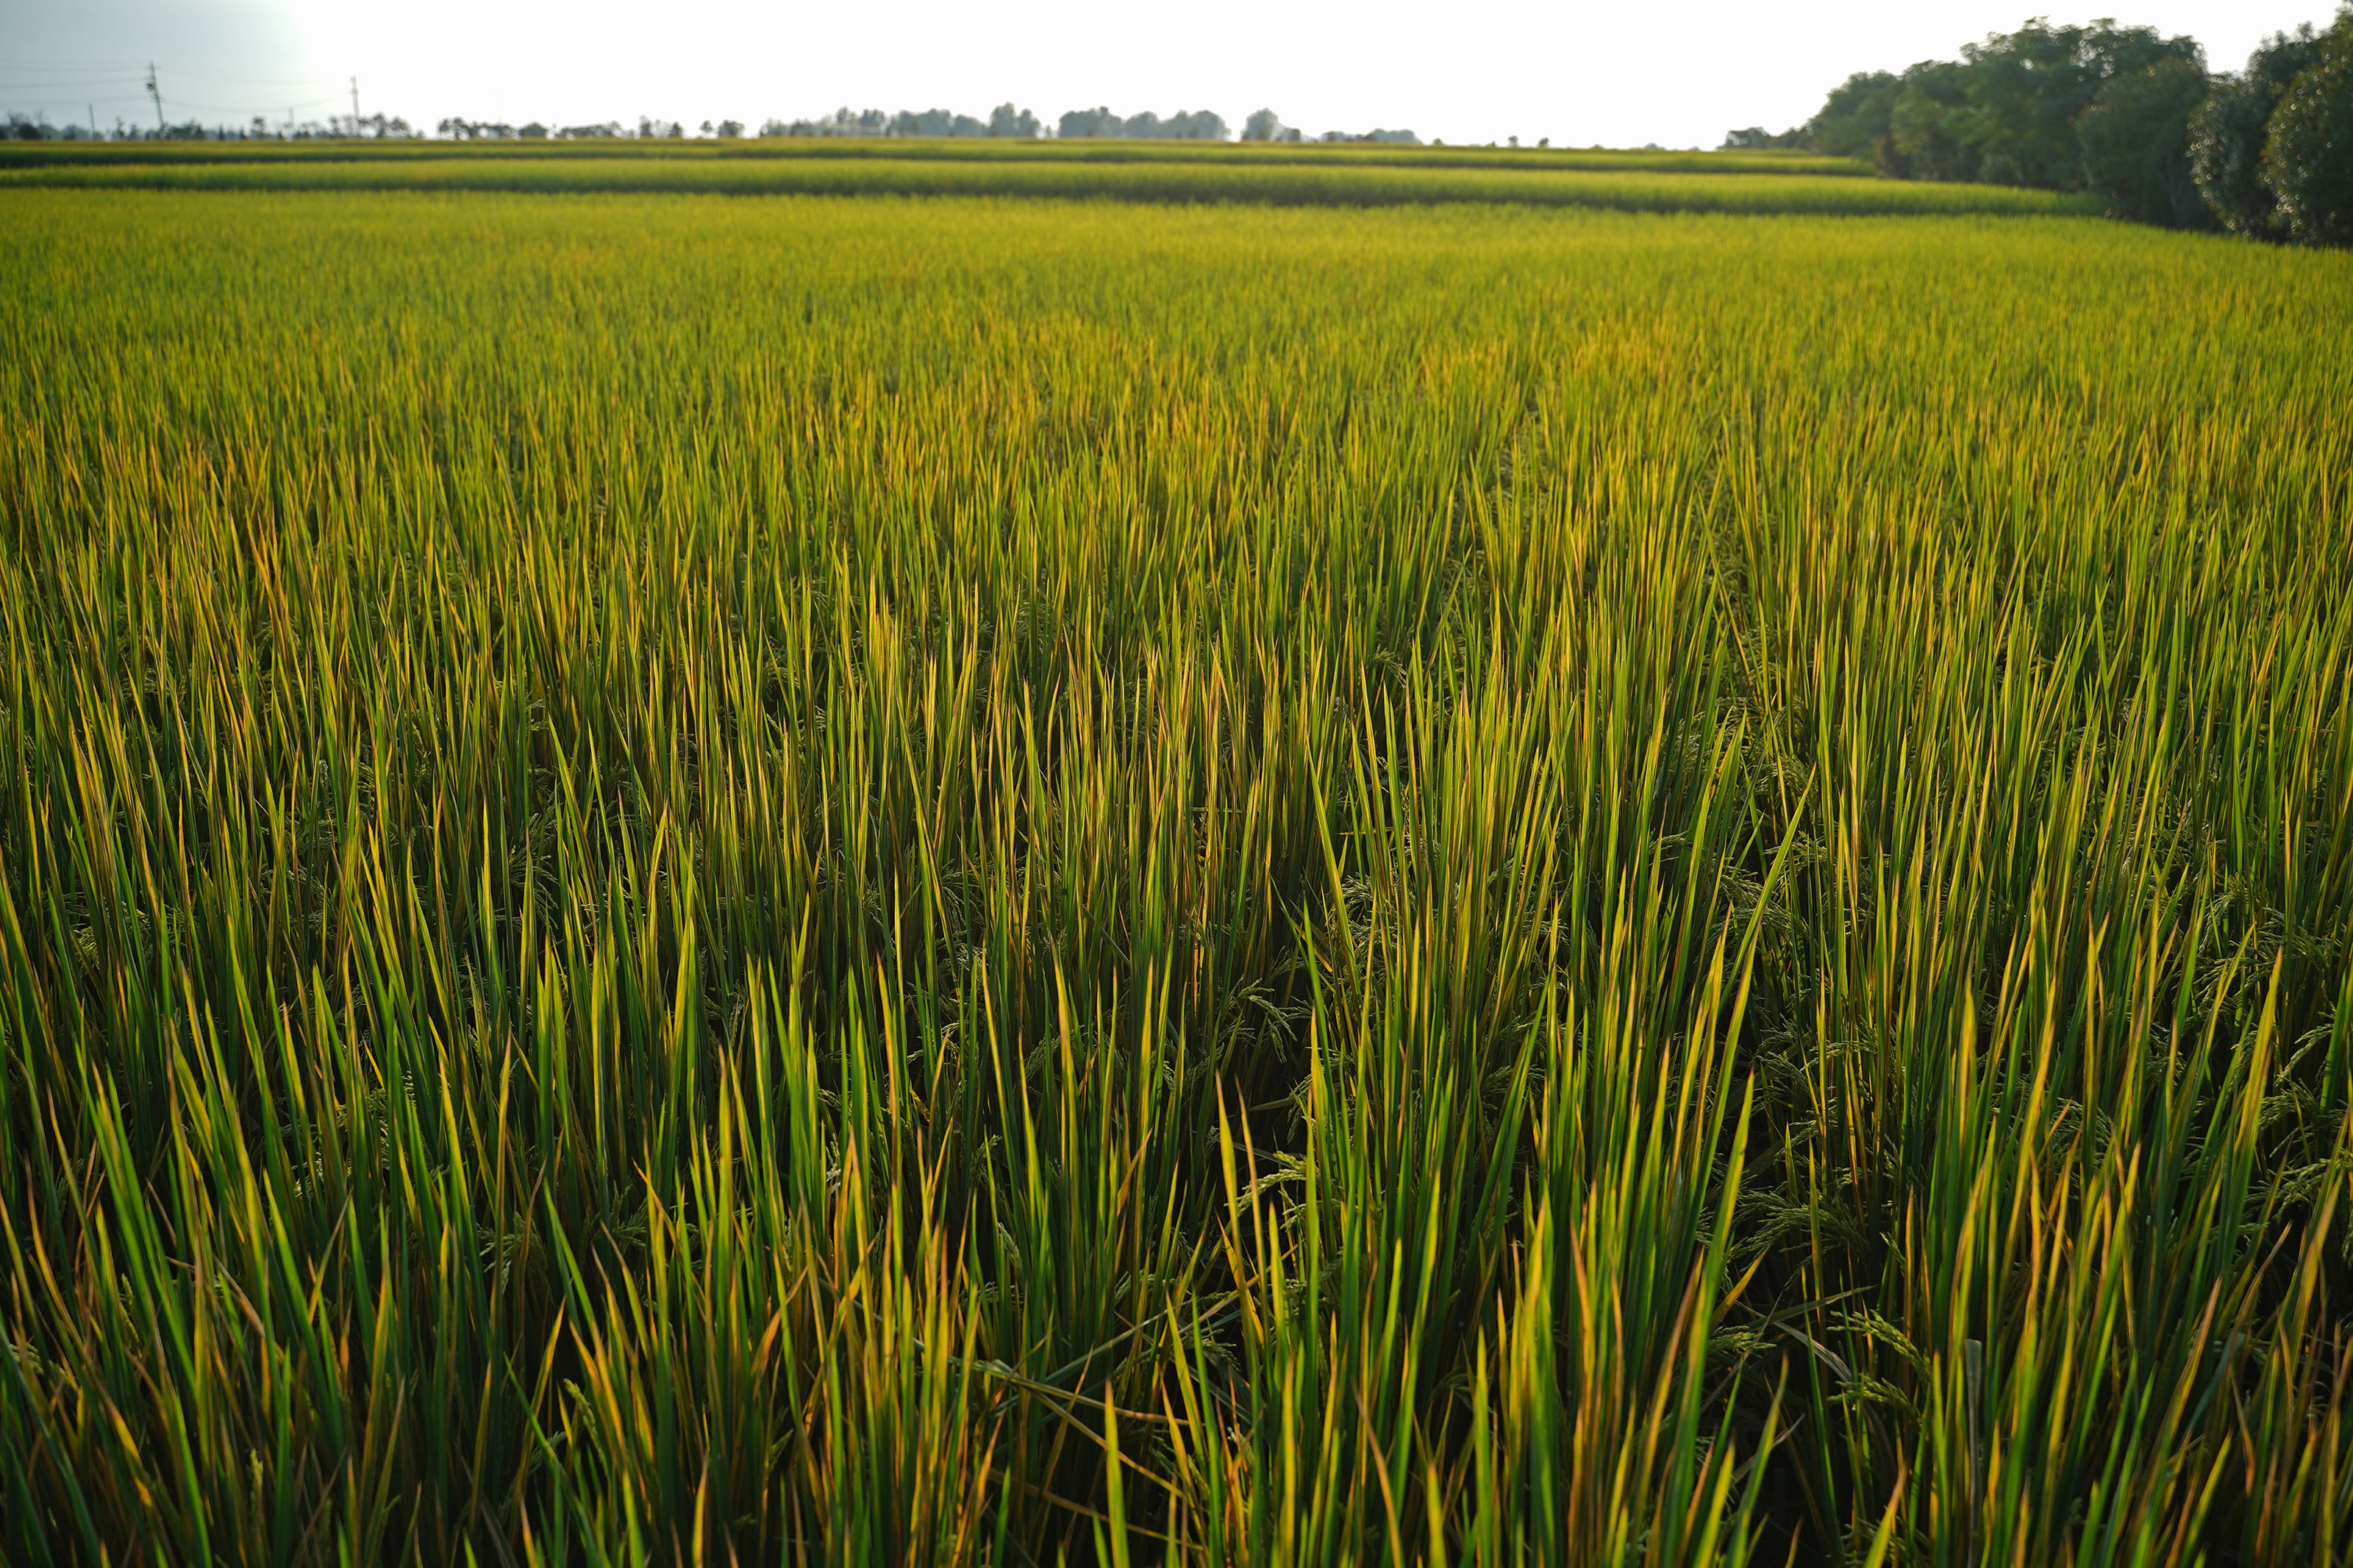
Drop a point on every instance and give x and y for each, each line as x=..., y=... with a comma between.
x=843, y=121
x=1858, y=118
x=1929, y=125
x=23, y=126
x=2098, y=108
x=2135, y=143
x=2308, y=161
x=843, y=882
x=1756, y=138
x=2026, y=89
x=2227, y=134
x=459, y=128
x=1266, y=125
x=1200, y=125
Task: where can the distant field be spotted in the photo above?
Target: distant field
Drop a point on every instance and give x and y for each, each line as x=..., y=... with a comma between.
x=1127, y=171
x=895, y=148
x=986, y=880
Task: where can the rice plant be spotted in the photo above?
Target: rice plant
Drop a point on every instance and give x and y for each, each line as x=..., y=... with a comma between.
x=1021, y=882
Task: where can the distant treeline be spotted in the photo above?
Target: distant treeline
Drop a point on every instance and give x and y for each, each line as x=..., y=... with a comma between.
x=2125, y=113
x=1005, y=121
x=337, y=127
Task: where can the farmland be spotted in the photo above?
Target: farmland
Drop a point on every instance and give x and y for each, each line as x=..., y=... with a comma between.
x=1154, y=173
x=922, y=875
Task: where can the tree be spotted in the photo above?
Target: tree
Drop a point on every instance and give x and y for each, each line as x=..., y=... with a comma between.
x=1201, y=125
x=2007, y=111
x=1855, y=120
x=2135, y=144
x=2226, y=135
x=1263, y=125
x=2025, y=90
x=1099, y=121
x=2308, y=157
x=1929, y=126
x=1008, y=121
x=935, y=122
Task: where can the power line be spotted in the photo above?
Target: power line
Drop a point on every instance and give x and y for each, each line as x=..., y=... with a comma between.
x=257, y=106
x=78, y=83
x=36, y=66
x=241, y=80
x=232, y=110
x=114, y=70
x=149, y=88
x=97, y=76
x=113, y=99
x=45, y=77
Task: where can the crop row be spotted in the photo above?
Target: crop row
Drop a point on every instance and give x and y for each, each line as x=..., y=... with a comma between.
x=1252, y=178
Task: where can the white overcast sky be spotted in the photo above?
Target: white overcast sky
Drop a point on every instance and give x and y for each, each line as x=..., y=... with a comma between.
x=1623, y=74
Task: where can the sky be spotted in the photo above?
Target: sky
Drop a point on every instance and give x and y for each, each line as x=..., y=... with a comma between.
x=1677, y=74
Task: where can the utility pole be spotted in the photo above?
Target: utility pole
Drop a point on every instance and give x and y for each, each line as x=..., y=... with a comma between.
x=93, y=120
x=156, y=94
x=355, y=106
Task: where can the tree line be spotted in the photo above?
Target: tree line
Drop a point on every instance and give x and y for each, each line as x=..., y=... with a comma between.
x=1006, y=119
x=22, y=127
x=2123, y=113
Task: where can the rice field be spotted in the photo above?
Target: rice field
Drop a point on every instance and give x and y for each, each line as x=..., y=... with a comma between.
x=1160, y=173
x=982, y=880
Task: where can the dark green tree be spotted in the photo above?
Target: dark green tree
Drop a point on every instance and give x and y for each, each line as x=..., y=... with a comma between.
x=1853, y=122
x=2007, y=110
x=2135, y=144
x=1019, y=124
x=1930, y=127
x=2025, y=90
x=2308, y=151
x=2226, y=135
